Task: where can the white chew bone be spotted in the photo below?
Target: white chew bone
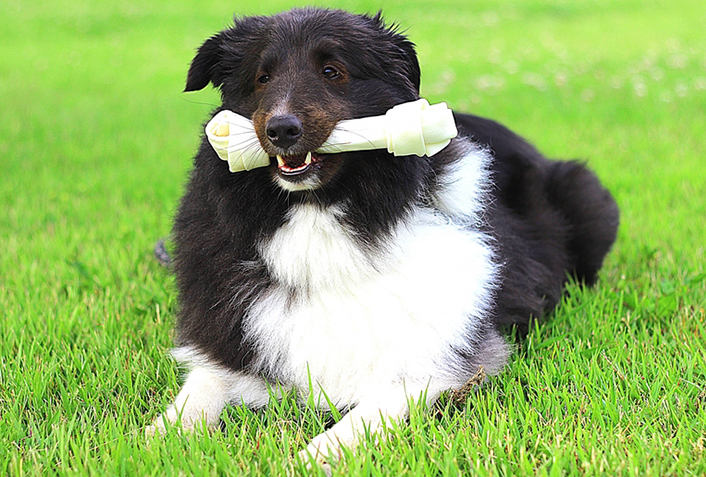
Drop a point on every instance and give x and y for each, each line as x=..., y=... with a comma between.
x=413, y=128
x=234, y=139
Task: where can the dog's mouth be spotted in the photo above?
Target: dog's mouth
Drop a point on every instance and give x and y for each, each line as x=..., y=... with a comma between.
x=306, y=171
x=297, y=164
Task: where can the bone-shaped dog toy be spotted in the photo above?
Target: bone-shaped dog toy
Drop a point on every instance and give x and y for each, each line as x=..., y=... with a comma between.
x=413, y=128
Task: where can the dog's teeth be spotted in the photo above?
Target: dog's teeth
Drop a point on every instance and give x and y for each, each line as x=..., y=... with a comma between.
x=280, y=161
x=307, y=161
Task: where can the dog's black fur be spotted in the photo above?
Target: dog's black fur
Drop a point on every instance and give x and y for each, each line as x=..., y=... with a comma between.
x=562, y=220
x=551, y=219
x=548, y=220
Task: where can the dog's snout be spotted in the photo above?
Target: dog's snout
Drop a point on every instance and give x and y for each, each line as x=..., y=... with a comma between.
x=284, y=131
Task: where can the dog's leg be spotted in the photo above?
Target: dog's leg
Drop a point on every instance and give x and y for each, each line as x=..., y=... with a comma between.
x=371, y=415
x=205, y=394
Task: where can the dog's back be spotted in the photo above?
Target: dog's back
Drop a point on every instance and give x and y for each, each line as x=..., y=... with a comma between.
x=563, y=220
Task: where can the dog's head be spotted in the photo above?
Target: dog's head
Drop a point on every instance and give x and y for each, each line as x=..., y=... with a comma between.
x=298, y=73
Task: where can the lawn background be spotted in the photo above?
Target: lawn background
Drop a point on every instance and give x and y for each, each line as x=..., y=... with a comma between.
x=95, y=143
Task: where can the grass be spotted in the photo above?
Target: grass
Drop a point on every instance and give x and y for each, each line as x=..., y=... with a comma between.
x=95, y=144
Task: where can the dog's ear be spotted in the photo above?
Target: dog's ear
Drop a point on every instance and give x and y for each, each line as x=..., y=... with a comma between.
x=205, y=65
x=223, y=58
x=414, y=73
x=406, y=52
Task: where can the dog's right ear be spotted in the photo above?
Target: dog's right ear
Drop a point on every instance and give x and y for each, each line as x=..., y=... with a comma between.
x=205, y=67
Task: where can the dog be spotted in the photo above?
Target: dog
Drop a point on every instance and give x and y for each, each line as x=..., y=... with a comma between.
x=361, y=279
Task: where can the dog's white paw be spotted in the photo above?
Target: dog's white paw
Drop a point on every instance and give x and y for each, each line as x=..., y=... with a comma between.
x=153, y=430
x=327, y=447
x=159, y=425
x=322, y=450
x=180, y=422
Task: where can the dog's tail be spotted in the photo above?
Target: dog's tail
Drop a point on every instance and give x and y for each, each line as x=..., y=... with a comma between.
x=591, y=212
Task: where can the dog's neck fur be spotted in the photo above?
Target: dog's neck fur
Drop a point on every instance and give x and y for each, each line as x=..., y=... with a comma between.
x=315, y=249
x=324, y=277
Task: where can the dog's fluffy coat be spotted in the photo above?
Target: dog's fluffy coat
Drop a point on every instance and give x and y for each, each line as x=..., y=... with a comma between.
x=365, y=278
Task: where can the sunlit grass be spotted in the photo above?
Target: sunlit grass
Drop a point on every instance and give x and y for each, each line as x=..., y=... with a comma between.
x=95, y=144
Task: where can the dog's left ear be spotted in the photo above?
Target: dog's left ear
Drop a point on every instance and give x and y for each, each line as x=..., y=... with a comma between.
x=205, y=65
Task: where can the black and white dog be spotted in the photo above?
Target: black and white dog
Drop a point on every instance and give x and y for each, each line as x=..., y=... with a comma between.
x=363, y=278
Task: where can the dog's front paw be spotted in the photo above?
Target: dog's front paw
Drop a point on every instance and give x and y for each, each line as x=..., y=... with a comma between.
x=180, y=421
x=321, y=450
x=160, y=424
x=327, y=447
x=312, y=463
x=153, y=430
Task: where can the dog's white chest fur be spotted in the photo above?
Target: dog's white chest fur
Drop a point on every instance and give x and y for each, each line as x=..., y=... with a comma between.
x=370, y=327
x=359, y=319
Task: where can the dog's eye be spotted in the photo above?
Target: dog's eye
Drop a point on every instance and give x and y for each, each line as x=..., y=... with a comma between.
x=330, y=72
x=263, y=79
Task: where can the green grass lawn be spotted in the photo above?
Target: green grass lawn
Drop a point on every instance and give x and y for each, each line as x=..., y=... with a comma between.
x=95, y=143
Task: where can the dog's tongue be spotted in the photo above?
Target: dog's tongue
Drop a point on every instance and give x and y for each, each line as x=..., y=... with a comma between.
x=294, y=164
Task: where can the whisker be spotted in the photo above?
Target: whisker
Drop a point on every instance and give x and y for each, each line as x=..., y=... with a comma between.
x=248, y=145
x=202, y=103
x=353, y=133
x=337, y=148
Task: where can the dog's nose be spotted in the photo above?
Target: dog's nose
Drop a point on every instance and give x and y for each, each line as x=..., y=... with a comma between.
x=284, y=131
